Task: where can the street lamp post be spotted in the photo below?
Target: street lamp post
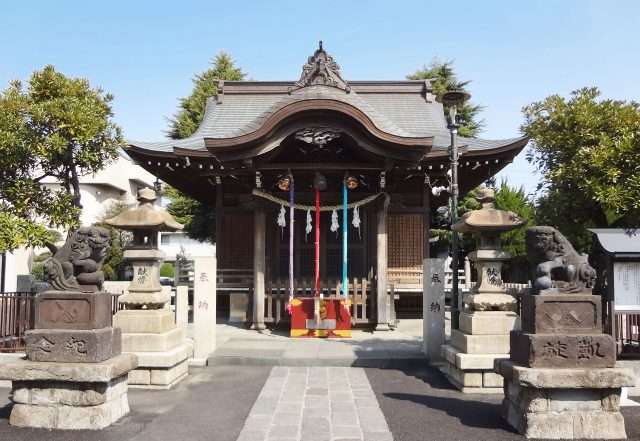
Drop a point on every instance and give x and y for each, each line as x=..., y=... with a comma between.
x=452, y=99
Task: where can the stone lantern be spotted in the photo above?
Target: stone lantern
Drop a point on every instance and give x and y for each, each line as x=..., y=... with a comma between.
x=488, y=314
x=148, y=328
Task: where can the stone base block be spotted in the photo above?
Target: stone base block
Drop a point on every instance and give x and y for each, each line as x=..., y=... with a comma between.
x=144, y=321
x=475, y=381
x=563, y=351
x=49, y=393
x=472, y=373
x=154, y=298
x=160, y=378
x=140, y=342
x=69, y=395
x=562, y=314
x=564, y=403
x=489, y=302
x=72, y=310
x=480, y=344
x=25, y=370
x=470, y=361
x=73, y=346
x=553, y=378
x=164, y=359
x=70, y=417
x=489, y=322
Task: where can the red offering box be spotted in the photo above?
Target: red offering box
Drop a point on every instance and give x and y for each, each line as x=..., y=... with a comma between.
x=335, y=320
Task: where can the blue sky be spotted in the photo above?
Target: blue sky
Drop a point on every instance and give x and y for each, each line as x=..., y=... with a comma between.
x=146, y=52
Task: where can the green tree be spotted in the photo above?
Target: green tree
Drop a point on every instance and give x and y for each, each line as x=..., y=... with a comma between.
x=54, y=126
x=444, y=78
x=515, y=199
x=198, y=218
x=167, y=270
x=588, y=152
x=205, y=85
x=114, y=264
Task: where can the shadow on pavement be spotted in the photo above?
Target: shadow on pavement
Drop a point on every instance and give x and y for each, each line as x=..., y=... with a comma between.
x=5, y=412
x=471, y=413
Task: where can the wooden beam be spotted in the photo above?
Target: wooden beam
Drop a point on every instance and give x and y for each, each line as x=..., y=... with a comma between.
x=259, y=267
x=382, y=297
x=319, y=166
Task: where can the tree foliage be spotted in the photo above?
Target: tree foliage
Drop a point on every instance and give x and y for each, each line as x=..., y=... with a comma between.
x=443, y=78
x=515, y=199
x=205, y=85
x=54, y=126
x=114, y=263
x=588, y=152
x=198, y=218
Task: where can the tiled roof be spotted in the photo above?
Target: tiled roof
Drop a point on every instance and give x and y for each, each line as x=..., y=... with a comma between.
x=392, y=110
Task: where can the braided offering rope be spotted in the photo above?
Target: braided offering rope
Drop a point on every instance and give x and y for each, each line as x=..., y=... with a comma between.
x=284, y=202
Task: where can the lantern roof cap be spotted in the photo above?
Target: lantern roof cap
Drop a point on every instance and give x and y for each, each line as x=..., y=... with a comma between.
x=146, y=216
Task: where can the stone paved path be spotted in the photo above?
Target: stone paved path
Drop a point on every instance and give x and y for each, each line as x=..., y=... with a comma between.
x=316, y=404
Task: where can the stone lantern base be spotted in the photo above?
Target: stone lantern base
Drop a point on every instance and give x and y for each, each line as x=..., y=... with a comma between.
x=54, y=395
x=469, y=357
x=151, y=334
x=573, y=403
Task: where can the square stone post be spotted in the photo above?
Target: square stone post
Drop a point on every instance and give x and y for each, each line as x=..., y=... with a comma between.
x=182, y=305
x=382, y=299
x=259, y=258
x=433, y=304
x=204, y=309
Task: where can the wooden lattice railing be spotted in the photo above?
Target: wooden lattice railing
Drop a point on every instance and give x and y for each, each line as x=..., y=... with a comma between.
x=277, y=296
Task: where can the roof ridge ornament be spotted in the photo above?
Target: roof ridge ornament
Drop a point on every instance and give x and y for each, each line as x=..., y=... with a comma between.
x=321, y=69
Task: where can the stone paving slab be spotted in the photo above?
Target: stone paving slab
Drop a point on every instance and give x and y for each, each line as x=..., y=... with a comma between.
x=316, y=404
x=365, y=349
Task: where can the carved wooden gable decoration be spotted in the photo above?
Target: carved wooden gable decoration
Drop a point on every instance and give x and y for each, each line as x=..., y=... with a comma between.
x=321, y=69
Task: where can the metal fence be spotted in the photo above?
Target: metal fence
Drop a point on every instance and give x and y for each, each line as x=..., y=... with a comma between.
x=16, y=317
x=627, y=333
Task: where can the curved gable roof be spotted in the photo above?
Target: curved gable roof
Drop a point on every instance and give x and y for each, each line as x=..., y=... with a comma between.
x=403, y=113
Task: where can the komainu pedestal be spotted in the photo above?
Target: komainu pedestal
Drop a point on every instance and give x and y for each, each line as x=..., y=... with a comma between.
x=75, y=376
x=53, y=395
x=560, y=380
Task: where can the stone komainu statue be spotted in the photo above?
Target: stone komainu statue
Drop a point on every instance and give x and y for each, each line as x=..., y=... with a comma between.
x=76, y=266
x=557, y=265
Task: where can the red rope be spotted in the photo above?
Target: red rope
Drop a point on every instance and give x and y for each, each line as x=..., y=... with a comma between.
x=317, y=246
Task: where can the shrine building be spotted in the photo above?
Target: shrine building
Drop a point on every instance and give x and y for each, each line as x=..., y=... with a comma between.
x=389, y=138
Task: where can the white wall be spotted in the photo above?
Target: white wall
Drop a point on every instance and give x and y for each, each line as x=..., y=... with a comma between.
x=170, y=243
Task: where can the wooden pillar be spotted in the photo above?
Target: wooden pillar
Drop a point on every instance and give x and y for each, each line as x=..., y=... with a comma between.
x=259, y=266
x=382, y=300
x=219, y=221
x=426, y=224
